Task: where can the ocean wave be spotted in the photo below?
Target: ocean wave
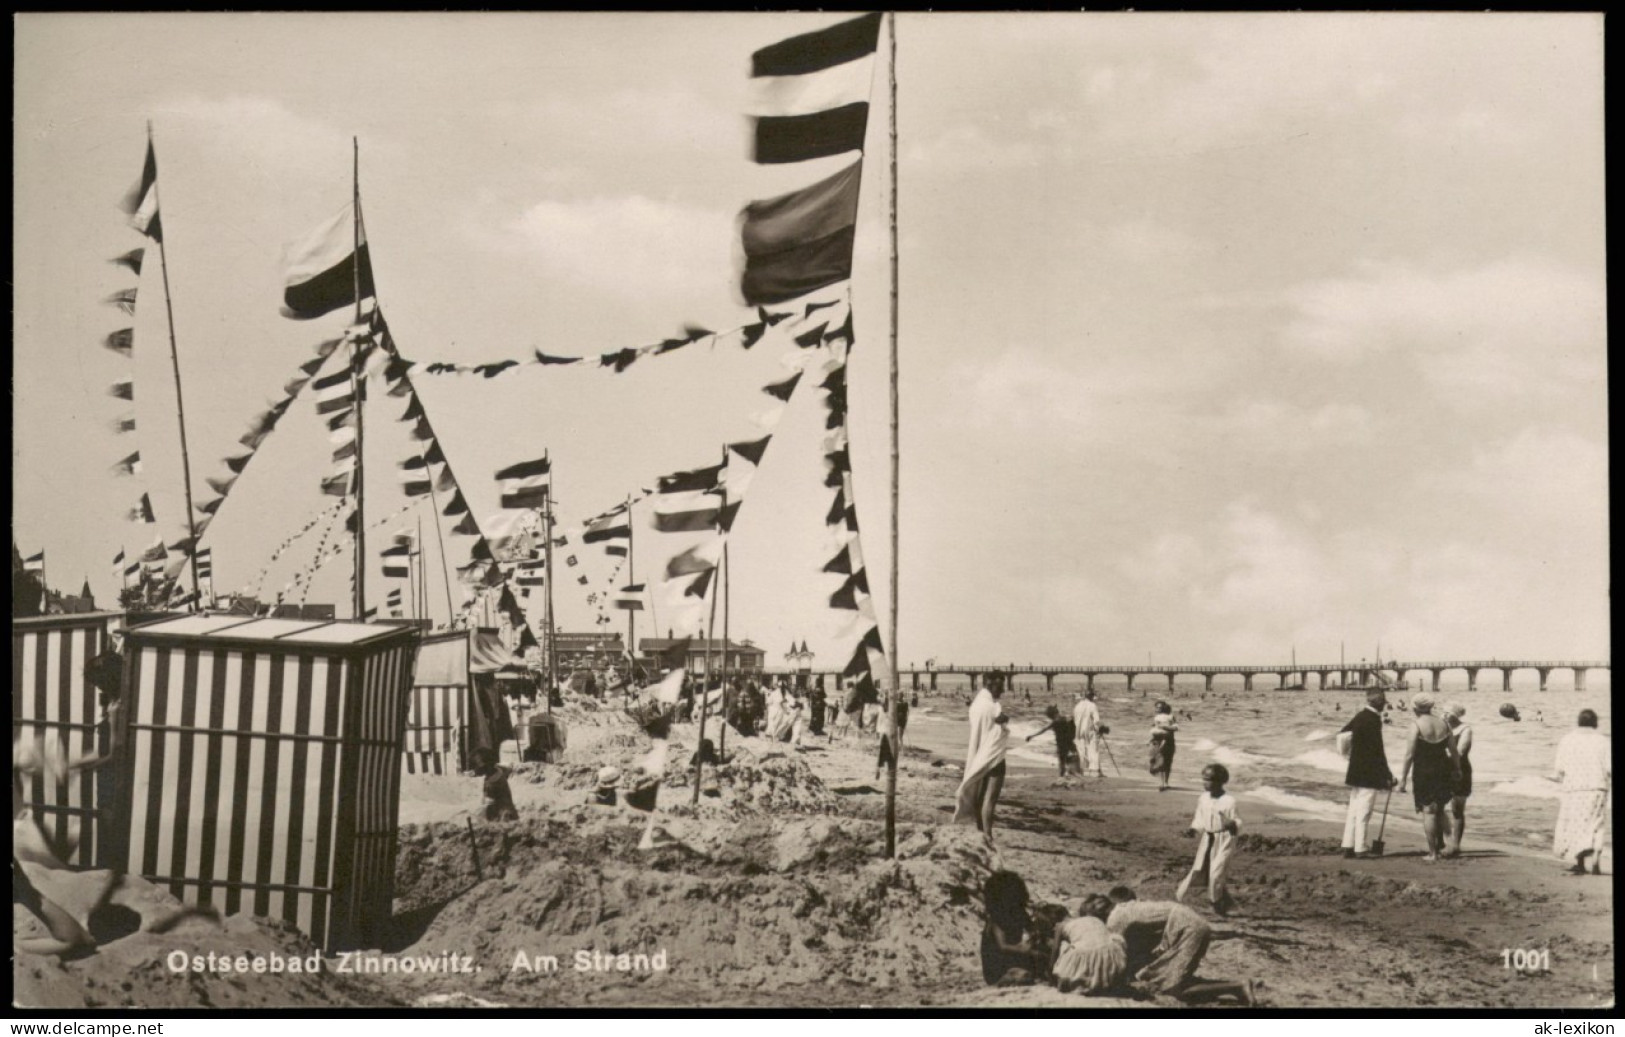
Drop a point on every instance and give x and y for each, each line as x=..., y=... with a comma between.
x=1236, y=759
x=1292, y=801
x=1322, y=760
x=1529, y=786
x=1317, y=736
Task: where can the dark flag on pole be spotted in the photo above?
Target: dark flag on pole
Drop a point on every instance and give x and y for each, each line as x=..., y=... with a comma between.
x=141, y=203
x=525, y=485
x=319, y=270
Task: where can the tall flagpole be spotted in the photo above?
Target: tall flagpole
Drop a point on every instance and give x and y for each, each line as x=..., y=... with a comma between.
x=896, y=687
x=631, y=581
x=180, y=404
x=358, y=380
x=710, y=639
x=552, y=640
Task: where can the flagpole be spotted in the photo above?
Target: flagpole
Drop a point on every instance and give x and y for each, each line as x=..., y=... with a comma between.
x=631, y=581
x=727, y=574
x=552, y=641
x=180, y=403
x=358, y=380
x=896, y=688
x=710, y=639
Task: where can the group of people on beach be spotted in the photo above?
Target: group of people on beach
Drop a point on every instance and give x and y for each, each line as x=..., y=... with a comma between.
x=1438, y=770
x=1087, y=952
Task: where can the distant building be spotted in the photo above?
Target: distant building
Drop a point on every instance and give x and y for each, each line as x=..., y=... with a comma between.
x=589, y=651
x=730, y=655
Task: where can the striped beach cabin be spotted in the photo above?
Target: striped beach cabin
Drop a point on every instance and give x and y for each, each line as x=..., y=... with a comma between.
x=52, y=700
x=437, y=722
x=263, y=771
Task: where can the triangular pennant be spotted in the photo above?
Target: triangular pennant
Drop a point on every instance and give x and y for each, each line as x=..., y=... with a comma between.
x=841, y=563
x=131, y=259
x=414, y=409
x=543, y=358
x=837, y=510
x=782, y=390
x=220, y=484
x=730, y=512
x=842, y=332
x=121, y=341
x=310, y=367
x=752, y=334
x=620, y=360
x=458, y=506
x=700, y=584
x=466, y=526
x=751, y=451
x=124, y=299
x=434, y=455
x=770, y=318
x=815, y=337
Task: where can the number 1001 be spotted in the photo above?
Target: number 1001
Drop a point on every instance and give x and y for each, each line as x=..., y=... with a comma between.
x=1527, y=960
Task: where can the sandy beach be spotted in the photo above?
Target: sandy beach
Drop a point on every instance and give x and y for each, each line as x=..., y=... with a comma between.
x=773, y=892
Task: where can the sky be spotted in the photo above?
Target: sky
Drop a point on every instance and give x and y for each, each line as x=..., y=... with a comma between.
x=1220, y=336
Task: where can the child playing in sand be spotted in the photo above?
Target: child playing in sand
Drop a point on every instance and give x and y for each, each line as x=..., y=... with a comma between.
x=1217, y=826
x=1010, y=957
x=498, y=796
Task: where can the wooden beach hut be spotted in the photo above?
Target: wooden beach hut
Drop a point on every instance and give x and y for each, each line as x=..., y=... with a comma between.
x=437, y=722
x=51, y=699
x=263, y=772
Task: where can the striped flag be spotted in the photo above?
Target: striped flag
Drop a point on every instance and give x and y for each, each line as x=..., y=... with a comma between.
x=397, y=562
x=141, y=203
x=810, y=99
x=118, y=564
x=630, y=598
x=415, y=477
x=687, y=513
x=525, y=485
x=121, y=341
x=124, y=390
x=615, y=551
x=334, y=392
x=319, y=270
x=34, y=563
x=608, y=528
x=205, y=564
x=811, y=92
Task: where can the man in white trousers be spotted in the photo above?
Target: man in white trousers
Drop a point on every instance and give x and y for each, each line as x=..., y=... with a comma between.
x=1360, y=742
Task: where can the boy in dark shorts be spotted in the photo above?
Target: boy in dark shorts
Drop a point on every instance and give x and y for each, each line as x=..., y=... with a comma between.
x=1066, y=740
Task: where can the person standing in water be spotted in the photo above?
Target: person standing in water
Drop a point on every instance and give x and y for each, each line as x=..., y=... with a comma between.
x=1462, y=732
x=1163, y=726
x=979, y=790
x=1432, y=752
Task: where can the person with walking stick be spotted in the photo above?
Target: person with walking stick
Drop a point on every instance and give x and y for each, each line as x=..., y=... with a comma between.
x=1360, y=742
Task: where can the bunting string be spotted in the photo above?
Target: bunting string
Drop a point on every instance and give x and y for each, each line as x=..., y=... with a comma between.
x=618, y=360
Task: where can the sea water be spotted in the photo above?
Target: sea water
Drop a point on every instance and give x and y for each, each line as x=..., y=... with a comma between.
x=1280, y=746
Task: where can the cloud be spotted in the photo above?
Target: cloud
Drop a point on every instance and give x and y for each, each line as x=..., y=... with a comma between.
x=1512, y=328
x=631, y=246
x=263, y=132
